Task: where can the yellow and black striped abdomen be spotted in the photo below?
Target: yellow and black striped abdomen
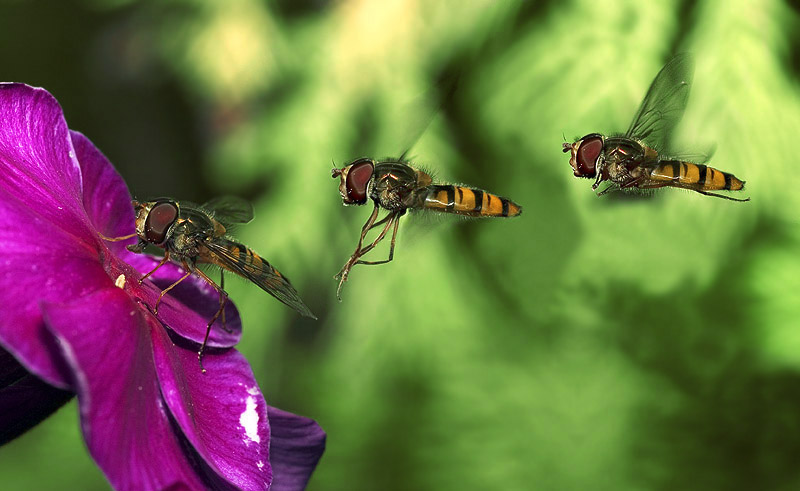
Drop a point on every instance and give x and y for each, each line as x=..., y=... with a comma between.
x=695, y=176
x=468, y=201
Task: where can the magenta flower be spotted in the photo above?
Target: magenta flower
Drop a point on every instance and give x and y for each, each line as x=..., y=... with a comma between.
x=75, y=320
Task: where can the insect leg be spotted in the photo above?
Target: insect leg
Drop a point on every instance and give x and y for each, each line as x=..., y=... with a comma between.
x=354, y=259
x=342, y=275
x=223, y=299
x=611, y=187
x=396, y=218
x=221, y=303
x=366, y=228
x=163, y=262
x=167, y=289
x=375, y=242
x=635, y=182
x=600, y=171
x=720, y=195
x=381, y=221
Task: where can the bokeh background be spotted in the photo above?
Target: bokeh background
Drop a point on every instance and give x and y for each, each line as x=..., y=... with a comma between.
x=592, y=343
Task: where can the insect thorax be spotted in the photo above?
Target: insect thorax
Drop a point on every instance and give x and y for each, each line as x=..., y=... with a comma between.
x=393, y=185
x=625, y=159
x=186, y=241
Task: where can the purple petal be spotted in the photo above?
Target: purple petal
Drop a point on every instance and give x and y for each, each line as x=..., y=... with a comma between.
x=296, y=446
x=125, y=424
x=105, y=196
x=50, y=251
x=40, y=263
x=188, y=307
x=38, y=168
x=24, y=399
x=221, y=412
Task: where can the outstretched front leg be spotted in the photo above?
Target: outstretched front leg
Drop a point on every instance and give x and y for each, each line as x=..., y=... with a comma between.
x=342, y=275
x=392, y=219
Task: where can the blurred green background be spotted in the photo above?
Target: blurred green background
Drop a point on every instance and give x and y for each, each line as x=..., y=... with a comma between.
x=592, y=343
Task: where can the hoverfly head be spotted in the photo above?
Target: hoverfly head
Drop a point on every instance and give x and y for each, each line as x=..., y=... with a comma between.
x=154, y=220
x=585, y=155
x=354, y=180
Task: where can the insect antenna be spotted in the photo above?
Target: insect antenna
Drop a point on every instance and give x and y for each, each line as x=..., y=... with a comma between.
x=335, y=171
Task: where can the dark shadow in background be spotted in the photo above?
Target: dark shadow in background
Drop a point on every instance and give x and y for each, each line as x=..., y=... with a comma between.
x=104, y=74
x=792, y=32
x=490, y=162
x=398, y=433
x=687, y=15
x=714, y=419
x=292, y=9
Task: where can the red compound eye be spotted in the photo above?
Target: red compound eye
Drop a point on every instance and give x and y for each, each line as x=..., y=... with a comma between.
x=159, y=220
x=358, y=177
x=587, y=155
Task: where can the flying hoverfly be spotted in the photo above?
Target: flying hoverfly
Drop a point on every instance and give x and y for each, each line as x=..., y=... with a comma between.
x=635, y=160
x=193, y=234
x=396, y=186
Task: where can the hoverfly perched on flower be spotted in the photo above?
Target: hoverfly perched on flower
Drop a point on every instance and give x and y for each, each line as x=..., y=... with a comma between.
x=396, y=186
x=193, y=234
x=635, y=159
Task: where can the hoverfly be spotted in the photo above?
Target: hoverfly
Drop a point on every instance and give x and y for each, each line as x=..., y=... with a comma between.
x=635, y=159
x=396, y=186
x=193, y=234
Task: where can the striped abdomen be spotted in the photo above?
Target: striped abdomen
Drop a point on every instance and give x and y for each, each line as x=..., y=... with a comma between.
x=695, y=176
x=468, y=201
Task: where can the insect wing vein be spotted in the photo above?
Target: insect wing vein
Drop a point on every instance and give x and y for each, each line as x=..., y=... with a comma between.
x=230, y=209
x=664, y=103
x=261, y=273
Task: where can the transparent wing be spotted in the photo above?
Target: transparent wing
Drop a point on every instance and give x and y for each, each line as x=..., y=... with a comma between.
x=235, y=258
x=409, y=121
x=198, y=221
x=229, y=209
x=424, y=110
x=695, y=156
x=664, y=103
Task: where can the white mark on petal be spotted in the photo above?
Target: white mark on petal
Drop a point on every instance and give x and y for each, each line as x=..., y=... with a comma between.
x=120, y=282
x=260, y=465
x=249, y=418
